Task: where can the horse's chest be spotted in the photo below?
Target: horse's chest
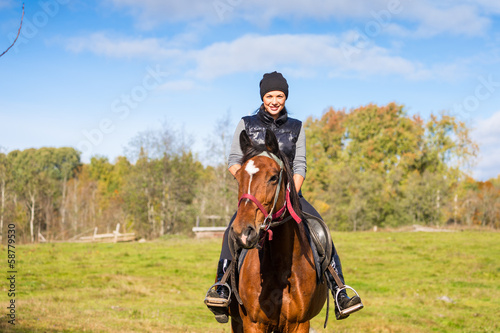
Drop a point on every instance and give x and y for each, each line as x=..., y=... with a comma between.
x=277, y=293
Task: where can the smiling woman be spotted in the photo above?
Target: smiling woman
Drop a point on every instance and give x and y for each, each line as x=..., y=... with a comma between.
x=274, y=102
x=271, y=130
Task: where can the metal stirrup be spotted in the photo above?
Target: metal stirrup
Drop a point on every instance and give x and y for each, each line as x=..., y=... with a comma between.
x=218, y=301
x=351, y=309
x=341, y=286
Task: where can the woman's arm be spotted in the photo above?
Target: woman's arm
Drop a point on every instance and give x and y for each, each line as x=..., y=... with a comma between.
x=235, y=154
x=234, y=168
x=299, y=162
x=298, y=180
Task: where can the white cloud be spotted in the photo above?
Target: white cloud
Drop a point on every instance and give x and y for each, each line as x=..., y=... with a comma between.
x=119, y=47
x=426, y=17
x=487, y=135
x=336, y=55
x=490, y=6
x=456, y=20
x=487, y=130
x=6, y=3
x=178, y=85
x=150, y=13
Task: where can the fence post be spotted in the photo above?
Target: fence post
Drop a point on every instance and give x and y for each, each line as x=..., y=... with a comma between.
x=117, y=232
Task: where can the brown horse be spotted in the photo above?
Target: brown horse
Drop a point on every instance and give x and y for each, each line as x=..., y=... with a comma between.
x=277, y=280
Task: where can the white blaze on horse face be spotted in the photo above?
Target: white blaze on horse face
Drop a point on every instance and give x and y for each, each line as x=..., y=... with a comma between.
x=252, y=170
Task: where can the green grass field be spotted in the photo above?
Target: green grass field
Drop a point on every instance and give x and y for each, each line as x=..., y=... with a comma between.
x=159, y=286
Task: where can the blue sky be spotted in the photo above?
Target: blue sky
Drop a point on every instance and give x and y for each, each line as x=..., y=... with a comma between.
x=93, y=74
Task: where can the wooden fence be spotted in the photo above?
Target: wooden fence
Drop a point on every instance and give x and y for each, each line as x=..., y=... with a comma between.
x=113, y=237
x=211, y=231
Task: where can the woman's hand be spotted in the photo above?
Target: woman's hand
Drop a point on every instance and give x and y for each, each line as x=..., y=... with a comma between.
x=298, y=180
x=234, y=168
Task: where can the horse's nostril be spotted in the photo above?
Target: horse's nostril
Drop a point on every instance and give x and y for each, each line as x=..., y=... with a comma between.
x=249, y=231
x=247, y=236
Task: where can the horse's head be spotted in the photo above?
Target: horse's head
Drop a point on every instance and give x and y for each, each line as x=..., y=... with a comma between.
x=261, y=181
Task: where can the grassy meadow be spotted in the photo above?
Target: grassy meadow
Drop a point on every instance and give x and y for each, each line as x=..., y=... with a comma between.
x=409, y=282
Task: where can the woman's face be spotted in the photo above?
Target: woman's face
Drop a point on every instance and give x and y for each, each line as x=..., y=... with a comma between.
x=274, y=102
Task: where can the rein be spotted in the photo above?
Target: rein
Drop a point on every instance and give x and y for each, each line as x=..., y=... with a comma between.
x=272, y=220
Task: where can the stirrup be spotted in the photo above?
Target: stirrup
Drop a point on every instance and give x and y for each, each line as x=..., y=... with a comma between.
x=211, y=300
x=343, y=313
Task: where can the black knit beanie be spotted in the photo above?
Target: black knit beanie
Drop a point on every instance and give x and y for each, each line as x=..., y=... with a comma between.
x=271, y=82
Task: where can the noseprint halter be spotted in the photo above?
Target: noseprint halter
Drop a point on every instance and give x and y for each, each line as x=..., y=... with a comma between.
x=275, y=219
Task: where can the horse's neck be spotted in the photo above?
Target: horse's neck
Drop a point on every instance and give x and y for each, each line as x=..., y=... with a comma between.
x=286, y=239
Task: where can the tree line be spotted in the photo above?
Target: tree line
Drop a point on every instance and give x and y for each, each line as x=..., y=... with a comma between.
x=370, y=166
x=158, y=187
x=378, y=166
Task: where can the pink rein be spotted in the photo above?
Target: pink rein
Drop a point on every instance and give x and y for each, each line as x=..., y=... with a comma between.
x=278, y=214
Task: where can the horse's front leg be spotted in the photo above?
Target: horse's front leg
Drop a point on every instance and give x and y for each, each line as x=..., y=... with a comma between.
x=291, y=328
x=248, y=326
x=236, y=326
x=301, y=328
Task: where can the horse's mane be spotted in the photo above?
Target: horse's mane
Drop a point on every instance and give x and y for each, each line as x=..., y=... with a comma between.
x=255, y=150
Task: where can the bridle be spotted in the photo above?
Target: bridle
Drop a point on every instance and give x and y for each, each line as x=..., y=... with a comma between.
x=274, y=219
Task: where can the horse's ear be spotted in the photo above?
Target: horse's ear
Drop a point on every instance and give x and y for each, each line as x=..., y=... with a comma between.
x=245, y=142
x=272, y=143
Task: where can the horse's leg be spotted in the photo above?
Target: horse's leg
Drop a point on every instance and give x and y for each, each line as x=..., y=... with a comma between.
x=236, y=326
x=300, y=328
x=251, y=327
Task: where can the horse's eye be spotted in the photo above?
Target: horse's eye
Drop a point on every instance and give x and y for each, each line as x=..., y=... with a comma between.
x=273, y=179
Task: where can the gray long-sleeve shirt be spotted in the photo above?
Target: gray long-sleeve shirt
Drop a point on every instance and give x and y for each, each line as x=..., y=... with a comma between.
x=299, y=162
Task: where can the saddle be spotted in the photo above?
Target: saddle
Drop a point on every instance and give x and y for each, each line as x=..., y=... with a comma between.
x=320, y=241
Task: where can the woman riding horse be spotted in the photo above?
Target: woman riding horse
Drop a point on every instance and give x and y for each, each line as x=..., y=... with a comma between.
x=272, y=115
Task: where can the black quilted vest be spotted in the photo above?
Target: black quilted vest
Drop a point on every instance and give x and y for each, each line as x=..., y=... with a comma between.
x=286, y=129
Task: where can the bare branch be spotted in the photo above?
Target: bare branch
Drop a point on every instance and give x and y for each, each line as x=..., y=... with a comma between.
x=18, y=32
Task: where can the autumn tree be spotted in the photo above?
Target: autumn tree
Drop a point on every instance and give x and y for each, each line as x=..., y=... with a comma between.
x=378, y=166
x=162, y=183
x=217, y=195
x=37, y=177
